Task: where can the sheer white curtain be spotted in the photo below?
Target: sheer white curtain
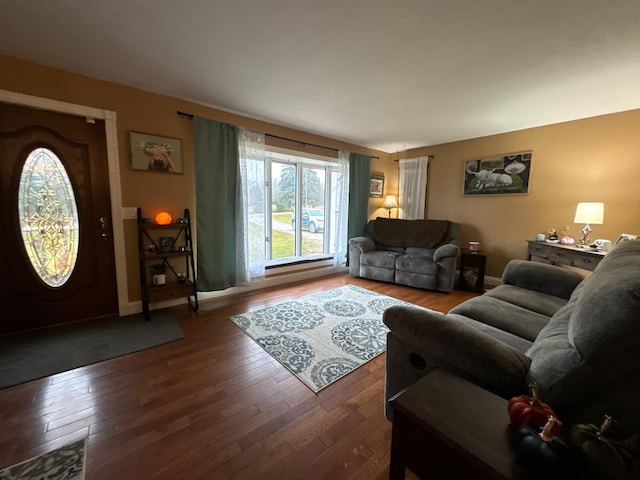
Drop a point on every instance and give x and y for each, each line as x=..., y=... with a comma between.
x=251, y=207
x=412, y=187
x=341, y=209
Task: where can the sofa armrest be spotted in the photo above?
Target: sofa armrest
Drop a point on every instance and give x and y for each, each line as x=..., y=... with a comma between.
x=445, y=251
x=363, y=243
x=541, y=277
x=358, y=246
x=453, y=343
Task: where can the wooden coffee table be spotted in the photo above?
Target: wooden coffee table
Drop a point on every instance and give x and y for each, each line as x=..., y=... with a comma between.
x=446, y=427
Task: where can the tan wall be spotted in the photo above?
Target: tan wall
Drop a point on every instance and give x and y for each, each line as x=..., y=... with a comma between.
x=147, y=112
x=387, y=167
x=595, y=159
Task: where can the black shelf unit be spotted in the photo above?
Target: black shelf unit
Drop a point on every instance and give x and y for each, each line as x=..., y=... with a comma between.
x=166, y=245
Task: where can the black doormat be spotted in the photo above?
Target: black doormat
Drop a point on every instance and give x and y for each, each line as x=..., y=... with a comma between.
x=31, y=355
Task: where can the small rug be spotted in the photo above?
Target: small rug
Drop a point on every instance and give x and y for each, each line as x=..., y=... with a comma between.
x=30, y=355
x=64, y=463
x=323, y=336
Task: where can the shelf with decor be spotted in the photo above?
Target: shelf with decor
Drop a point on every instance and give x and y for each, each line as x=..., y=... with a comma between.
x=163, y=244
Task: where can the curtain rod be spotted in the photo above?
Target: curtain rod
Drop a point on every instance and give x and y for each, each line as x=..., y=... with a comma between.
x=430, y=157
x=190, y=116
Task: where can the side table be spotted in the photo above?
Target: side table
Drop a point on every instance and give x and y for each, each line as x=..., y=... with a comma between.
x=472, y=266
x=445, y=427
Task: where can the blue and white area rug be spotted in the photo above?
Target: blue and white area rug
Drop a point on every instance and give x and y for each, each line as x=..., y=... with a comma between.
x=64, y=463
x=323, y=336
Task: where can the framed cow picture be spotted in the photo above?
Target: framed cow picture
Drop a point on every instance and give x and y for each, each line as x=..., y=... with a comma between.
x=498, y=175
x=153, y=153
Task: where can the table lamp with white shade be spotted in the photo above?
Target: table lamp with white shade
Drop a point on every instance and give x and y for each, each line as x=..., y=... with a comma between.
x=389, y=203
x=588, y=212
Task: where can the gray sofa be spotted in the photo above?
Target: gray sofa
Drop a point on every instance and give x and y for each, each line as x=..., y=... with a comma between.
x=578, y=339
x=417, y=253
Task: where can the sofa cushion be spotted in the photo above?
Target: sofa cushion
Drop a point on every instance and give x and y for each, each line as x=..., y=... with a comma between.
x=537, y=302
x=503, y=315
x=534, y=276
x=553, y=357
x=425, y=252
x=417, y=280
x=416, y=264
x=380, y=258
x=515, y=341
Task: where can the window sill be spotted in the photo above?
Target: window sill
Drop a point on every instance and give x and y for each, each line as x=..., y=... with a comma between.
x=293, y=261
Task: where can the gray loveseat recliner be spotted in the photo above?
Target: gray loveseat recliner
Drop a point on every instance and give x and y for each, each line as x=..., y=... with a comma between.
x=417, y=253
x=578, y=339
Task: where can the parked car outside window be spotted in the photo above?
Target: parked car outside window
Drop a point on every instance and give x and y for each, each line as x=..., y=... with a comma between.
x=312, y=220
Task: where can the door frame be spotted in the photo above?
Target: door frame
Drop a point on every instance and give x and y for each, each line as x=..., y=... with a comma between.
x=117, y=213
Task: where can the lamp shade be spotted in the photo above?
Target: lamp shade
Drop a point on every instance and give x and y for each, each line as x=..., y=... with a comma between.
x=590, y=212
x=390, y=202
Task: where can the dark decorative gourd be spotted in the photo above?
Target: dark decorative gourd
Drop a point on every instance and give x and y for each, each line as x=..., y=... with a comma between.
x=542, y=452
x=530, y=411
x=613, y=459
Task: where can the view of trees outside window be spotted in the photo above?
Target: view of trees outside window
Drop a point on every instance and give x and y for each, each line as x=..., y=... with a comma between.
x=284, y=178
x=296, y=183
x=283, y=195
x=299, y=220
x=313, y=193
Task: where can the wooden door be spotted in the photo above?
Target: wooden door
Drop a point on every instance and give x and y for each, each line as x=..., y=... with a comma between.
x=87, y=289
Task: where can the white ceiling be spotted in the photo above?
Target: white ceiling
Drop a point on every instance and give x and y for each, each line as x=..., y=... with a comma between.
x=387, y=74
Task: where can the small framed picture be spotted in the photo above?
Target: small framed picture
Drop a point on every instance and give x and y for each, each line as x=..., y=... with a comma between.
x=166, y=244
x=153, y=153
x=376, y=185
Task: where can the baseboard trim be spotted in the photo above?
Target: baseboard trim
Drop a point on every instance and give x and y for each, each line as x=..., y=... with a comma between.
x=224, y=295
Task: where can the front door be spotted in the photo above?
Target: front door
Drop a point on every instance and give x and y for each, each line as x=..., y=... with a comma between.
x=57, y=260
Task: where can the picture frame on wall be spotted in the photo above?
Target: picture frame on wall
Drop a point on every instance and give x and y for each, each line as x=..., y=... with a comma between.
x=376, y=185
x=498, y=175
x=154, y=153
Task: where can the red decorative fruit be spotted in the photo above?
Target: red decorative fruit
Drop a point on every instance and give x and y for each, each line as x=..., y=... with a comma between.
x=526, y=411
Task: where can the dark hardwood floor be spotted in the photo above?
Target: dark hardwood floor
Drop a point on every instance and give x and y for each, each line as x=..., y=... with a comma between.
x=213, y=405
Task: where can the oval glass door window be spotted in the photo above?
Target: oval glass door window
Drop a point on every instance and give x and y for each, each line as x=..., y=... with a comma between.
x=48, y=217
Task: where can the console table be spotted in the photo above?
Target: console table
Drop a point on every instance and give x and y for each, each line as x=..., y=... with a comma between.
x=556, y=253
x=445, y=427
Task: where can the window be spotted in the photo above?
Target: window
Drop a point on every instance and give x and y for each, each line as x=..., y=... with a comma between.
x=48, y=217
x=300, y=223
